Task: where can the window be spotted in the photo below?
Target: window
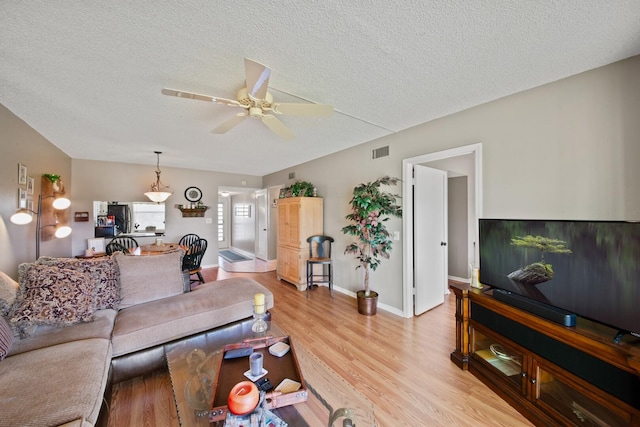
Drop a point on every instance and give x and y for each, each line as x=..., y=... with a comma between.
x=221, y=222
x=148, y=216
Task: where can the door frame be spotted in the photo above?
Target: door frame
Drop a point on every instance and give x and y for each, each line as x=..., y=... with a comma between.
x=407, y=210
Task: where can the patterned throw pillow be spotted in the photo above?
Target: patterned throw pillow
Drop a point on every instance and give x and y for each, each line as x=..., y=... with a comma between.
x=8, y=291
x=104, y=272
x=6, y=338
x=52, y=296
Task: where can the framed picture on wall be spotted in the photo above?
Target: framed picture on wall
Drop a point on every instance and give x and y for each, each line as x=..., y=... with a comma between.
x=22, y=198
x=31, y=183
x=30, y=204
x=22, y=174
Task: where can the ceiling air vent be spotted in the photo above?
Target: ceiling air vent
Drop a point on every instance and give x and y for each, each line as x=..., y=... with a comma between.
x=380, y=152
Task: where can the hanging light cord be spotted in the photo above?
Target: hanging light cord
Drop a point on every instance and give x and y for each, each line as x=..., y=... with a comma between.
x=158, y=184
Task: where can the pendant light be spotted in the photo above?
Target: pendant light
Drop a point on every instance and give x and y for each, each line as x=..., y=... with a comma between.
x=159, y=192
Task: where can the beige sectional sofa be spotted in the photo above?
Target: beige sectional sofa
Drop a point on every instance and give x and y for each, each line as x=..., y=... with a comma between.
x=78, y=326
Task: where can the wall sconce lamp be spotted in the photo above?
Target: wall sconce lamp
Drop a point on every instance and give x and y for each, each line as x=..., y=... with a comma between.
x=25, y=216
x=159, y=192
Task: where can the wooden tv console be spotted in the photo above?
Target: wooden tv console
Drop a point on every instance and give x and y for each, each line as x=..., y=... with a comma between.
x=552, y=374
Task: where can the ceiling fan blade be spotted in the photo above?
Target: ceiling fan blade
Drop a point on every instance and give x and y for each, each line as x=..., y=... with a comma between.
x=278, y=127
x=200, y=97
x=314, y=110
x=257, y=78
x=227, y=125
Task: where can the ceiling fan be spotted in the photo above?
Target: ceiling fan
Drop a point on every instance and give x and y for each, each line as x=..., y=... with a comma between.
x=258, y=103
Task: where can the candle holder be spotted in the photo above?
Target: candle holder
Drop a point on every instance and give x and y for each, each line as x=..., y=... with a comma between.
x=259, y=324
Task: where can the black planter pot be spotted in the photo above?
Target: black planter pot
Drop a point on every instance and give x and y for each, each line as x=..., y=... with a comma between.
x=367, y=305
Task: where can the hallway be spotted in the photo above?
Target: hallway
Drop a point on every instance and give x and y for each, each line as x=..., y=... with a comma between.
x=254, y=265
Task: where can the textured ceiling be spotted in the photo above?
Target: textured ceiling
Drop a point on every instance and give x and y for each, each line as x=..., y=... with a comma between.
x=87, y=74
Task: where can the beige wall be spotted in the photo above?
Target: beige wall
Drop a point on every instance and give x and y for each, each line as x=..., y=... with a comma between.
x=569, y=149
x=458, y=232
x=109, y=181
x=21, y=144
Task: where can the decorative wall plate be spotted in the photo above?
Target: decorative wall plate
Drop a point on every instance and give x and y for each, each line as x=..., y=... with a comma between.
x=193, y=194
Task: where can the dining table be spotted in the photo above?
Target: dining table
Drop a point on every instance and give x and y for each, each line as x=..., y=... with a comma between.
x=155, y=249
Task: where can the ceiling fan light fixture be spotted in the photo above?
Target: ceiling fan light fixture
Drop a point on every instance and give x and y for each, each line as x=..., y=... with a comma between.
x=159, y=192
x=257, y=102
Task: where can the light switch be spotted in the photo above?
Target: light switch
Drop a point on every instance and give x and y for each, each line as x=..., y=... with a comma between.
x=396, y=235
x=208, y=220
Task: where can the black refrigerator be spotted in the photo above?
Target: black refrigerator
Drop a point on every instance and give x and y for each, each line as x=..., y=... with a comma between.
x=122, y=215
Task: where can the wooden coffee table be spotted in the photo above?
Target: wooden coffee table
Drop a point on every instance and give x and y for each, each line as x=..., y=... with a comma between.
x=327, y=391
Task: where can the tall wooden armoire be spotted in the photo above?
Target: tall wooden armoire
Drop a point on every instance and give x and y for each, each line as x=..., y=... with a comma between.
x=298, y=218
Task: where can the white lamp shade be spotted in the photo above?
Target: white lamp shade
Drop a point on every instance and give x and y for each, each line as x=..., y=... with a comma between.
x=22, y=217
x=157, y=196
x=62, y=231
x=61, y=203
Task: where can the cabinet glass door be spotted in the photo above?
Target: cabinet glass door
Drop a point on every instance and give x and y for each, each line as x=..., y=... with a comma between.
x=499, y=356
x=565, y=398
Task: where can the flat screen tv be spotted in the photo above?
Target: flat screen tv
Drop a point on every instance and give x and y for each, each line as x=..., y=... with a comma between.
x=589, y=268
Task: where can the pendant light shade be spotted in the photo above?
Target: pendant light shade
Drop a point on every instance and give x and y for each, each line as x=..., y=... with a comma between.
x=62, y=231
x=61, y=203
x=159, y=192
x=22, y=217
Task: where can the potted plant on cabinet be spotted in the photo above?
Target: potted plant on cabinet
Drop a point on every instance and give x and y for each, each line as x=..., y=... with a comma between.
x=55, y=181
x=370, y=209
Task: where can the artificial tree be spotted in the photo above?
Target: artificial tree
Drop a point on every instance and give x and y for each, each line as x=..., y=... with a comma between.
x=370, y=209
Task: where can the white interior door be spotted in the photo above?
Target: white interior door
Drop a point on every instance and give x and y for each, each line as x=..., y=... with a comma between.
x=262, y=221
x=430, y=237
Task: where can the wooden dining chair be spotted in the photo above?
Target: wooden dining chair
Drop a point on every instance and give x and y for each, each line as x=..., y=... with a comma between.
x=113, y=247
x=125, y=241
x=188, y=239
x=193, y=258
x=320, y=255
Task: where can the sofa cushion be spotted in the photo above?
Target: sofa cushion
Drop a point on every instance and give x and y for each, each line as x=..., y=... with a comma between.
x=55, y=385
x=208, y=306
x=52, y=296
x=8, y=292
x=103, y=270
x=6, y=338
x=150, y=277
x=46, y=336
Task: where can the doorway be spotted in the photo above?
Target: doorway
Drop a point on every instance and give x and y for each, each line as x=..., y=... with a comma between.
x=474, y=153
x=237, y=219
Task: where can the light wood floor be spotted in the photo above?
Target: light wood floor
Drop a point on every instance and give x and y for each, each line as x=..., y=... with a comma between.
x=401, y=365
